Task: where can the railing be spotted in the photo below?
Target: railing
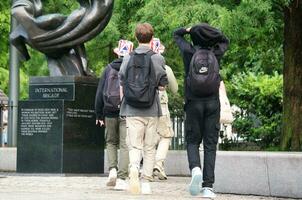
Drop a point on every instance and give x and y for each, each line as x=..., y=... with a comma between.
x=1, y=123
x=178, y=141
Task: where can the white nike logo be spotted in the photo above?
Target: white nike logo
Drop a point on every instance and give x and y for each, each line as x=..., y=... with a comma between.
x=203, y=70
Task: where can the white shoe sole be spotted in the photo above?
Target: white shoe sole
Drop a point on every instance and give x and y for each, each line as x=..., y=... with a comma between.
x=208, y=197
x=194, y=187
x=134, y=185
x=120, y=188
x=111, y=182
x=146, y=189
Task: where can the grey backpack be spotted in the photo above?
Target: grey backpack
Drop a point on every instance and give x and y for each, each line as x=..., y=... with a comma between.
x=111, y=91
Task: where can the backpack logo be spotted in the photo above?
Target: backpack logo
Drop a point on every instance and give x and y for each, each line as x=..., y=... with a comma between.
x=111, y=91
x=203, y=70
x=203, y=78
x=139, y=88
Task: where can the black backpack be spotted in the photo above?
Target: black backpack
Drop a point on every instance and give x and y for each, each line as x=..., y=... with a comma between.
x=111, y=91
x=203, y=78
x=139, y=85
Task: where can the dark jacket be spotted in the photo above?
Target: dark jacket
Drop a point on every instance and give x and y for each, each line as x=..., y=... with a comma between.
x=204, y=36
x=100, y=112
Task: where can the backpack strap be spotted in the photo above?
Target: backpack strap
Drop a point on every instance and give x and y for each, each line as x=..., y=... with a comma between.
x=150, y=52
x=108, y=71
x=196, y=47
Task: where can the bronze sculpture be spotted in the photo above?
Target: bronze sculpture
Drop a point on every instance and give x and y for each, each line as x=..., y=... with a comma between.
x=61, y=38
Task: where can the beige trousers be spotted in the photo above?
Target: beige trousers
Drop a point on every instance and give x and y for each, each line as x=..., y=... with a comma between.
x=164, y=134
x=141, y=140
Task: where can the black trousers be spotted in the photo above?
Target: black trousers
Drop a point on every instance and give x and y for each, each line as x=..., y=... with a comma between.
x=202, y=124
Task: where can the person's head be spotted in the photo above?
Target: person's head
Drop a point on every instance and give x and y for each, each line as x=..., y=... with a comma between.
x=124, y=47
x=144, y=33
x=204, y=35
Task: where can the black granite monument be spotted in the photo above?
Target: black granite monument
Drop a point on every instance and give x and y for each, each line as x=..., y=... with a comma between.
x=56, y=130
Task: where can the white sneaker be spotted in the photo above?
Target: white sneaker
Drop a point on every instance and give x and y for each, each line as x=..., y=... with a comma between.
x=194, y=187
x=134, y=186
x=112, y=177
x=146, y=188
x=207, y=192
x=121, y=184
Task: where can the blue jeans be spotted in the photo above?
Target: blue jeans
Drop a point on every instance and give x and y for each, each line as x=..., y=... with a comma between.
x=202, y=124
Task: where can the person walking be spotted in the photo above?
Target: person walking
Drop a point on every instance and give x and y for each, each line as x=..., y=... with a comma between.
x=164, y=128
x=142, y=74
x=107, y=107
x=202, y=108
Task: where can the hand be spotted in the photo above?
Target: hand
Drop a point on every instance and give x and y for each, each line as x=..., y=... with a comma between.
x=101, y=122
x=161, y=88
x=188, y=29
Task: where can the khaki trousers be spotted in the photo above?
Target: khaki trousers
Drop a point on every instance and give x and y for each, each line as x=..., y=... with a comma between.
x=164, y=133
x=115, y=133
x=141, y=140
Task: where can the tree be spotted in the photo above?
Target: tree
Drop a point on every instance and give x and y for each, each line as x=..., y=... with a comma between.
x=292, y=106
x=252, y=67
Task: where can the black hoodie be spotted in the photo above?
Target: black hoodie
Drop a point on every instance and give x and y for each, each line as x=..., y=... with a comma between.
x=204, y=36
x=100, y=112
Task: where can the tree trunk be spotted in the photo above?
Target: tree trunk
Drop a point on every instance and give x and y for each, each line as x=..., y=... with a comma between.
x=292, y=92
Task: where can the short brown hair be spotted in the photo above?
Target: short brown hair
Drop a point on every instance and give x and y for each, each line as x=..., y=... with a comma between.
x=144, y=32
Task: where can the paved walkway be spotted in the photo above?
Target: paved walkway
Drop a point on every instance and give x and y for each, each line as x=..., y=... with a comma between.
x=81, y=187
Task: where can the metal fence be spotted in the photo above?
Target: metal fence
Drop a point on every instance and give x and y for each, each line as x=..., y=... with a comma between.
x=178, y=141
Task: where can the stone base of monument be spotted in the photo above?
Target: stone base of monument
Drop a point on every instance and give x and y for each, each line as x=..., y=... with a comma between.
x=56, y=130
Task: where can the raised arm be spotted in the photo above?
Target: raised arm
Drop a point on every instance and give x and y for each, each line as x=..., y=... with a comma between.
x=181, y=42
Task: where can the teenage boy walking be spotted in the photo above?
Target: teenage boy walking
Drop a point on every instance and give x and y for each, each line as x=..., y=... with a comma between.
x=107, y=107
x=202, y=107
x=141, y=75
x=164, y=129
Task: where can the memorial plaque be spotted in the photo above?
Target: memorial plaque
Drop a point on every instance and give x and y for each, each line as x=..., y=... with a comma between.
x=40, y=136
x=60, y=136
x=51, y=92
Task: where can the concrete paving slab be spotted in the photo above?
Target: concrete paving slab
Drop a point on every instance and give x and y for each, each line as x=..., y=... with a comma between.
x=285, y=174
x=69, y=187
x=8, y=159
x=241, y=173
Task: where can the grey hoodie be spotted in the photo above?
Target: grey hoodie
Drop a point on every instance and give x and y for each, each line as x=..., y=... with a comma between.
x=158, y=63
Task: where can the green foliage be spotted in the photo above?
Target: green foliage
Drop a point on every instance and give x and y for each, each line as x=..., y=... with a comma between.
x=4, y=32
x=4, y=80
x=251, y=68
x=62, y=6
x=260, y=98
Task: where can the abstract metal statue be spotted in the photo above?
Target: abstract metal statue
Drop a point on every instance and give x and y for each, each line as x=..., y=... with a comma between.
x=61, y=38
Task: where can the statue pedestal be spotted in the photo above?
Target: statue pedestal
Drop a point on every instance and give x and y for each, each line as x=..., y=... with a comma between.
x=56, y=130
